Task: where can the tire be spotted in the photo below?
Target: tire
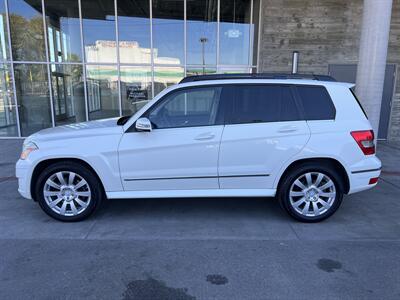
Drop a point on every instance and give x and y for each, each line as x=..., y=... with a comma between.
x=323, y=198
x=74, y=199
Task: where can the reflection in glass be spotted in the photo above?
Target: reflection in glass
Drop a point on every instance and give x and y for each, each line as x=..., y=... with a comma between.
x=4, y=50
x=102, y=91
x=64, y=38
x=68, y=94
x=254, y=30
x=134, y=31
x=228, y=70
x=98, y=21
x=135, y=88
x=187, y=108
x=190, y=71
x=166, y=76
x=168, y=31
x=27, y=37
x=8, y=118
x=32, y=90
x=234, y=32
x=201, y=36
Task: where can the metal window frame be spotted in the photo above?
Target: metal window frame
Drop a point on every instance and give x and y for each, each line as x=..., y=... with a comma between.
x=12, y=71
x=46, y=45
x=83, y=61
x=10, y=61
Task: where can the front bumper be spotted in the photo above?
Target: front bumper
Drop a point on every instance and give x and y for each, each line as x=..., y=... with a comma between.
x=23, y=174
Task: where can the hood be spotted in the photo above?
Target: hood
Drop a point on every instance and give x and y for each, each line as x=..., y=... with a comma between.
x=84, y=129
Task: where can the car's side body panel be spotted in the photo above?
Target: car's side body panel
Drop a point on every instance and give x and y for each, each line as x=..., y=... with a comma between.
x=170, y=159
x=96, y=145
x=250, y=154
x=332, y=139
x=200, y=193
x=249, y=159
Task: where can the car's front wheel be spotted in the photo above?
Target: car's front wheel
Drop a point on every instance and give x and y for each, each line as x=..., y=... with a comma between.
x=311, y=193
x=68, y=191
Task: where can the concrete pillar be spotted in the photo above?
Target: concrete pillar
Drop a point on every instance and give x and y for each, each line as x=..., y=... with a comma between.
x=372, y=57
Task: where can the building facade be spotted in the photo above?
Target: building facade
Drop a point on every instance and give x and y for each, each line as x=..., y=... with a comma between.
x=67, y=61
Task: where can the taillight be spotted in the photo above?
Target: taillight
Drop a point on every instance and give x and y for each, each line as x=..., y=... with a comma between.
x=365, y=140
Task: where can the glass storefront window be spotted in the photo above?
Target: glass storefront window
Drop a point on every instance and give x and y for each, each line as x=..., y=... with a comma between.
x=121, y=78
x=98, y=23
x=255, y=30
x=166, y=76
x=234, y=32
x=4, y=50
x=135, y=88
x=200, y=70
x=32, y=90
x=168, y=32
x=26, y=24
x=68, y=94
x=232, y=70
x=102, y=91
x=201, y=30
x=63, y=33
x=134, y=31
x=8, y=114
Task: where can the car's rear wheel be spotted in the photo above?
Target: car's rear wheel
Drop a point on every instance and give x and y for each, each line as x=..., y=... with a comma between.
x=68, y=191
x=311, y=193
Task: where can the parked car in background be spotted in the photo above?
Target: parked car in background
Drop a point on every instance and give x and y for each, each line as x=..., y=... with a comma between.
x=304, y=139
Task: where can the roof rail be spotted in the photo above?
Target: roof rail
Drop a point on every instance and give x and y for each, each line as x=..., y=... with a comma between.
x=256, y=76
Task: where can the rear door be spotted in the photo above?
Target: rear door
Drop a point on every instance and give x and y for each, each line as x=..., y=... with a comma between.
x=263, y=129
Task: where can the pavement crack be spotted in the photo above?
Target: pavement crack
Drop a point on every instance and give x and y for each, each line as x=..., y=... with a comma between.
x=294, y=231
x=391, y=183
x=90, y=230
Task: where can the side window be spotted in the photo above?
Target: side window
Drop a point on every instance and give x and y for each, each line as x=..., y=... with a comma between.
x=187, y=108
x=263, y=103
x=316, y=102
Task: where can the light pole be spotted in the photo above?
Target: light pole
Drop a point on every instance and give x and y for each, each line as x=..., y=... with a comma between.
x=203, y=41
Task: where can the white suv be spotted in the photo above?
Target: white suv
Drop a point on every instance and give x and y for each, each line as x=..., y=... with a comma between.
x=306, y=141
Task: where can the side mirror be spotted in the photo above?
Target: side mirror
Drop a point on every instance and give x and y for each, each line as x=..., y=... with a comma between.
x=143, y=124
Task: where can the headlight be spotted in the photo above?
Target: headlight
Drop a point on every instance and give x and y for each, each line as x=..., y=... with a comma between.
x=27, y=148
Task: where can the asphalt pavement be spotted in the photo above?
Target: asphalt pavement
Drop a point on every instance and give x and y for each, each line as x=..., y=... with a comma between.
x=245, y=248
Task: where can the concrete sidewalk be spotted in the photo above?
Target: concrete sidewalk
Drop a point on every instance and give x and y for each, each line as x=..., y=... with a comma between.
x=202, y=248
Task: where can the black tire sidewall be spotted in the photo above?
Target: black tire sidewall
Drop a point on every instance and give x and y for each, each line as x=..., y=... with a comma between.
x=293, y=175
x=95, y=188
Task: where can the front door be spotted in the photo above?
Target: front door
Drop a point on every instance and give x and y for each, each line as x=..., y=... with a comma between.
x=263, y=130
x=181, y=152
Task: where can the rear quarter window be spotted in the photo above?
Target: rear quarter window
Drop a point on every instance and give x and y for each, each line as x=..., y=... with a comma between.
x=316, y=102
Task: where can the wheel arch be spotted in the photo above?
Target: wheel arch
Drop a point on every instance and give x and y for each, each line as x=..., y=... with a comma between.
x=338, y=166
x=47, y=162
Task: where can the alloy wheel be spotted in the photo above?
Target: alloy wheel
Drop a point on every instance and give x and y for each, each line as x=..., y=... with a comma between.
x=312, y=194
x=67, y=193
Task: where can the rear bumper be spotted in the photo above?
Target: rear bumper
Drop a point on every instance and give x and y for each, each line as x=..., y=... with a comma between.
x=361, y=173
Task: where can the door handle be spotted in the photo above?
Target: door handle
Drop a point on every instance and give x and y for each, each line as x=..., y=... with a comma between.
x=289, y=128
x=205, y=136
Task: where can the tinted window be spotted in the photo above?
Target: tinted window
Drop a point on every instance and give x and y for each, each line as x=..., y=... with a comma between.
x=186, y=108
x=263, y=103
x=316, y=103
